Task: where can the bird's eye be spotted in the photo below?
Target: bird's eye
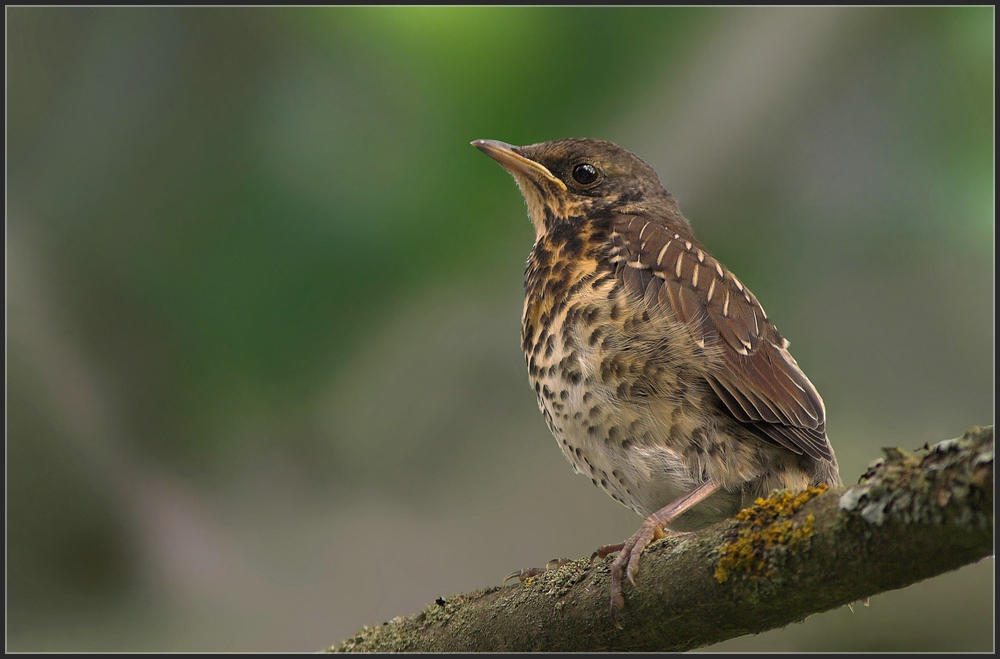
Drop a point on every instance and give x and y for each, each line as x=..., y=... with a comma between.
x=585, y=173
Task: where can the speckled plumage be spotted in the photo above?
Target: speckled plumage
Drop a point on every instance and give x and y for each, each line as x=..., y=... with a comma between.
x=655, y=368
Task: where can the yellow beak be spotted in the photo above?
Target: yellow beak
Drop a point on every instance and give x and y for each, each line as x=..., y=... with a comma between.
x=516, y=164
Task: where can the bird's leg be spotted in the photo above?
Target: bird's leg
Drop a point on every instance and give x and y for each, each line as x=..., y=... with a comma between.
x=651, y=529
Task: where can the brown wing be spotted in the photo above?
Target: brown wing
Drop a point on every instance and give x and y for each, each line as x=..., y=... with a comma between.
x=759, y=382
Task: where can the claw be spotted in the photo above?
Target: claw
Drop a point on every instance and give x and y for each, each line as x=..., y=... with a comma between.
x=528, y=572
x=522, y=575
x=616, y=605
x=510, y=576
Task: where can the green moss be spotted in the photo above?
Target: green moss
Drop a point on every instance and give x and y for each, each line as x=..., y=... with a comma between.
x=766, y=531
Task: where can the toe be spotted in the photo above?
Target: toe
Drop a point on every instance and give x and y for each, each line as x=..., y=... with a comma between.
x=604, y=550
x=512, y=575
x=617, y=604
x=527, y=573
x=523, y=575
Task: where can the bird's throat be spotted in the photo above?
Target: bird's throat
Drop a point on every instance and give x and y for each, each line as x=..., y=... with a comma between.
x=545, y=204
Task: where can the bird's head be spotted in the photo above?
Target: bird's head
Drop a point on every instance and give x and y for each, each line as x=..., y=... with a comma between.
x=581, y=178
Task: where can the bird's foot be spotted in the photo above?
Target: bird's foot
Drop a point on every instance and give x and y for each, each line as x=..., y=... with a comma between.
x=652, y=529
x=527, y=573
x=628, y=560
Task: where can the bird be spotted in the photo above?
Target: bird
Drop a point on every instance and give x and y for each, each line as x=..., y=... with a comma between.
x=656, y=369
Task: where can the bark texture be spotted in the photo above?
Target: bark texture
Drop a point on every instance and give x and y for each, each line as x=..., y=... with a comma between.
x=910, y=517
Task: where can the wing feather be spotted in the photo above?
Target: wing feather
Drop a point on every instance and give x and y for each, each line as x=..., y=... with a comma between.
x=759, y=382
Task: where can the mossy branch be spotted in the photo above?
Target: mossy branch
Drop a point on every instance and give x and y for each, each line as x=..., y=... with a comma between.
x=910, y=517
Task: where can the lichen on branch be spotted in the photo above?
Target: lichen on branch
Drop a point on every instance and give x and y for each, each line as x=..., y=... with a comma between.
x=766, y=532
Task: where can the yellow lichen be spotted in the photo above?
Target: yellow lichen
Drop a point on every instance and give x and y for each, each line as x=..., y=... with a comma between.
x=765, y=525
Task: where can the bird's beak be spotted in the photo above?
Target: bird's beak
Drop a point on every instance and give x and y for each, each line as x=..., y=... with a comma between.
x=518, y=165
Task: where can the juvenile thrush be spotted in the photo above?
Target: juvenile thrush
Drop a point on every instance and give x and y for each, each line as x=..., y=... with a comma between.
x=656, y=369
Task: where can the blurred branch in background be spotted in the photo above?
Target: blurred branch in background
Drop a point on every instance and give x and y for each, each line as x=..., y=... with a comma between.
x=909, y=518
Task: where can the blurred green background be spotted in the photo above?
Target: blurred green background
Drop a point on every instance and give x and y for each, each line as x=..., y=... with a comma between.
x=264, y=378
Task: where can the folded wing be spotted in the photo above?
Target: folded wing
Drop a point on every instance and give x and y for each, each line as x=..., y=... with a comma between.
x=758, y=381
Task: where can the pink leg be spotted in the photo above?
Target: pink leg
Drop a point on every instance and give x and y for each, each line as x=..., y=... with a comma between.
x=651, y=529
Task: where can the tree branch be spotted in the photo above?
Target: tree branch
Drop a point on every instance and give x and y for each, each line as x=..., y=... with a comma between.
x=909, y=518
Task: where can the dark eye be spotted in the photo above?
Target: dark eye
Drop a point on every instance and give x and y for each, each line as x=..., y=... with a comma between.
x=585, y=173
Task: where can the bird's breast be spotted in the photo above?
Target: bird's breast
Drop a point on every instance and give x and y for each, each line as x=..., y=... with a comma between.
x=617, y=388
